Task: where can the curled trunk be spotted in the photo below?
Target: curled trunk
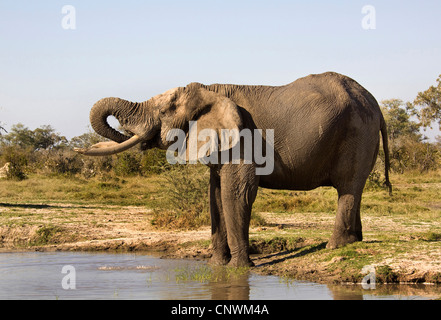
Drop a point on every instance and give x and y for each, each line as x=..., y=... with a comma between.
x=135, y=118
x=122, y=110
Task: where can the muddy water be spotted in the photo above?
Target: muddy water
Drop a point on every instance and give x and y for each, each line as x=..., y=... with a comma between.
x=67, y=275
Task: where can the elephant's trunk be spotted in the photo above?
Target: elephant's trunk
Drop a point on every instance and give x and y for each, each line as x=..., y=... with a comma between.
x=106, y=107
x=109, y=148
x=136, y=118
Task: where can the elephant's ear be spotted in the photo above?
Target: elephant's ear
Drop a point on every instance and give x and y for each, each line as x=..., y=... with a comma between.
x=214, y=123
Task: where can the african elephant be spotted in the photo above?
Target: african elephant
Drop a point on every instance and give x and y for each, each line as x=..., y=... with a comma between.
x=325, y=133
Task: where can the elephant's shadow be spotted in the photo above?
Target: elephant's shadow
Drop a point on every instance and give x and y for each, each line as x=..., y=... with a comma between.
x=43, y=206
x=275, y=258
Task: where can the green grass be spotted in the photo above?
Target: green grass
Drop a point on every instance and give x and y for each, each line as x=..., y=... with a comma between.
x=46, y=235
x=320, y=200
x=138, y=191
x=206, y=274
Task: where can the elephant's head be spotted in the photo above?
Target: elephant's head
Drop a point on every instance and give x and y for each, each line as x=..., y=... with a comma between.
x=149, y=122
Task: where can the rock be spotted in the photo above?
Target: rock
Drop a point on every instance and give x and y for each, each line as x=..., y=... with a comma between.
x=5, y=170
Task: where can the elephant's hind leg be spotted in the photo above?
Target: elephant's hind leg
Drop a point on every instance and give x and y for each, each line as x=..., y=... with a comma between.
x=357, y=155
x=347, y=228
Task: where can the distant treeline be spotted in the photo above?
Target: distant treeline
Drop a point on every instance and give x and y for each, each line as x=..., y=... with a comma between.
x=45, y=151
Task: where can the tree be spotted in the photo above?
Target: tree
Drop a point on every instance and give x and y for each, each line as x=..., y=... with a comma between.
x=86, y=140
x=407, y=147
x=429, y=102
x=43, y=138
x=19, y=136
x=397, y=117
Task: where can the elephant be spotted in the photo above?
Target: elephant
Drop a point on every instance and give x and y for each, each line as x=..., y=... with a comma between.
x=326, y=132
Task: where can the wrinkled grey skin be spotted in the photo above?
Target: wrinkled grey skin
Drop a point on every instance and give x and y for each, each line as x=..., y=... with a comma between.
x=326, y=133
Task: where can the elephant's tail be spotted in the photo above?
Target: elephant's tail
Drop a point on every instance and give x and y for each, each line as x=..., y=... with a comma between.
x=383, y=129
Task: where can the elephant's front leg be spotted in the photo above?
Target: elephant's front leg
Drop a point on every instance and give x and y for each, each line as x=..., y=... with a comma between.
x=239, y=185
x=221, y=252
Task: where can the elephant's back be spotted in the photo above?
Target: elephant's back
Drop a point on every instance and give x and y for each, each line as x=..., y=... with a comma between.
x=316, y=114
x=312, y=105
x=329, y=88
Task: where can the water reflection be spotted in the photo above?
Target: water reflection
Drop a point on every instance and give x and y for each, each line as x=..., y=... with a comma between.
x=385, y=292
x=345, y=293
x=236, y=287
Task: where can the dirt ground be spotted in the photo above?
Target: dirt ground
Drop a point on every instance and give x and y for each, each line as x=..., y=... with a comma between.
x=283, y=247
x=72, y=227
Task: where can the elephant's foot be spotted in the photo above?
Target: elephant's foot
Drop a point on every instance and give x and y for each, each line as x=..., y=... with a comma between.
x=219, y=259
x=244, y=262
x=342, y=239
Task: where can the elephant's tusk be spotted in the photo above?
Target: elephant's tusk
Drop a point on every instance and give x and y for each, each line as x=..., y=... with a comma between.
x=109, y=148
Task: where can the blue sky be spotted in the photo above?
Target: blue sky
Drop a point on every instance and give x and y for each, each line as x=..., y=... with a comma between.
x=137, y=49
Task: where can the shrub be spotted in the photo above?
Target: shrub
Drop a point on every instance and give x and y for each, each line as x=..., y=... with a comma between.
x=46, y=235
x=154, y=162
x=127, y=164
x=375, y=179
x=63, y=163
x=186, y=199
x=18, y=161
x=408, y=154
x=188, y=188
x=94, y=166
x=407, y=146
x=186, y=196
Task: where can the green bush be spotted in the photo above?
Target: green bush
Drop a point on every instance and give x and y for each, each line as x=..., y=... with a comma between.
x=63, y=163
x=408, y=154
x=18, y=162
x=188, y=188
x=375, y=179
x=408, y=148
x=96, y=166
x=127, y=164
x=154, y=162
x=186, y=196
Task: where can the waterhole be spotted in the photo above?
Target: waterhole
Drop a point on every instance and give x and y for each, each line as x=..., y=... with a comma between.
x=72, y=275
